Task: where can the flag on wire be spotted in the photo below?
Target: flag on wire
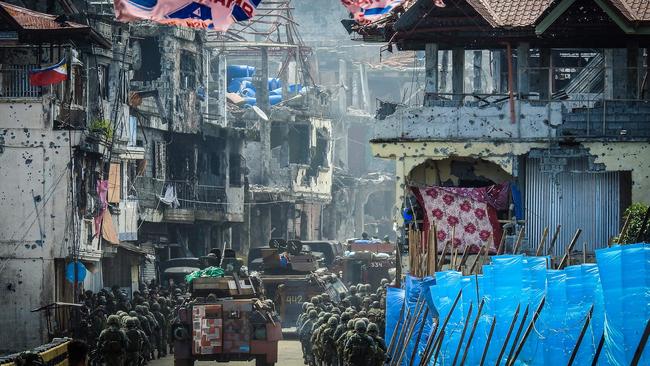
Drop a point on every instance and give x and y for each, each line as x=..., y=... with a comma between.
x=211, y=14
x=49, y=75
x=367, y=11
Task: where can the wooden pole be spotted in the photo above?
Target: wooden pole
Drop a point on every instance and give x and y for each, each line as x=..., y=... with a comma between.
x=516, y=338
x=502, y=243
x=478, y=257
x=471, y=333
x=540, y=245
x=549, y=251
x=395, y=336
x=531, y=325
x=510, y=329
x=642, y=342
x=584, y=252
x=520, y=238
x=582, y=334
x=411, y=329
x=427, y=352
x=599, y=348
x=438, y=346
x=442, y=256
x=462, y=334
x=623, y=232
x=487, y=342
x=463, y=259
x=435, y=249
x=417, y=340
x=431, y=339
x=569, y=248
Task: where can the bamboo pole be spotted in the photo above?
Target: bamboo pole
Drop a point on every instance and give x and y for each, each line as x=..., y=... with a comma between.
x=574, y=353
x=584, y=252
x=520, y=238
x=406, y=330
x=395, y=335
x=642, y=342
x=569, y=248
x=516, y=338
x=427, y=352
x=487, y=342
x=418, y=316
x=549, y=251
x=478, y=257
x=438, y=346
x=623, y=232
x=599, y=348
x=463, y=259
x=435, y=249
x=502, y=244
x=531, y=325
x=540, y=245
x=510, y=329
x=471, y=333
x=442, y=256
x=432, y=338
x=462, y=334
x=417, y=340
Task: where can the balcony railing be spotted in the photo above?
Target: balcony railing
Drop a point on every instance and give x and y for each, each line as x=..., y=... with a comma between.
x=14, y=82
x=190, y=196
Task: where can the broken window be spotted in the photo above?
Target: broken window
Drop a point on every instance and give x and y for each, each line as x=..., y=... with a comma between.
x=299, y=144
x=149, y=64
x=159, y=160
x=103, y=77
x=235, y=170
x=320, y=157
x=187, y=70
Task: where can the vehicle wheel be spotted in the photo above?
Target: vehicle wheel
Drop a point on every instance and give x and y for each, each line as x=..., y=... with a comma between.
x=261, y=361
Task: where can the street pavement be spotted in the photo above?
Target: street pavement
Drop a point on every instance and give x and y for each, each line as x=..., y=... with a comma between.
x=289, y=354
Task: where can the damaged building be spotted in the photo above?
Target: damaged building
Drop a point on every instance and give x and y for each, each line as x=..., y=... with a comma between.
x=550, y=97
x=64, y=184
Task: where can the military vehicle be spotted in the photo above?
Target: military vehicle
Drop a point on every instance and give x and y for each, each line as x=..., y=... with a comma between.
x=226, y=319
x=293, y=274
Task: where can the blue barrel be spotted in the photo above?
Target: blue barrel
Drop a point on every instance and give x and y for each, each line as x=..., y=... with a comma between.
x=275, y=83
x=239, y=71
x=247, y=92
x=275, y=99
x=250, y=101
x=277, y=91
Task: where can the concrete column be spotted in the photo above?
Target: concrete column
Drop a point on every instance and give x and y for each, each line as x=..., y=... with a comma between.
x=343, y=81
x=444, y=72
x=633, y=64
x=431, y=71
x=523, y=74
x=458, y=73
x=355, y=90
x=261, y=79
x=478, y=71
x=545, y=83
x=496, y=70
x=646, y=86
x=616, y=77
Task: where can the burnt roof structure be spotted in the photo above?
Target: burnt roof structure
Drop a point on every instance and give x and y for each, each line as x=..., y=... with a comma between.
x=481, y=24
x=38, y=28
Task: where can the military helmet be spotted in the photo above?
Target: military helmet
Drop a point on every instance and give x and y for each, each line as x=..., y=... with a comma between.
x=333, y=321
x=345, y=317
x=372, y=327
x=353, y=289
x=315, y=300
x=360, y=326
x=362, y=314
x=132, y=313
x=155, y=306
x=313, y=314
x=131, y=322
x=326, y=317
x=305, y=305
x=375, y=305
x=366, y=320
x=384, y=282
x=336, y=311
x=113, y=320
x=350, y=324
x=325, y=296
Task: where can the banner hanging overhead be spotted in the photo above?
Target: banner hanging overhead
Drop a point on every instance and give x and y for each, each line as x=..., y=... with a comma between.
x=210, y=14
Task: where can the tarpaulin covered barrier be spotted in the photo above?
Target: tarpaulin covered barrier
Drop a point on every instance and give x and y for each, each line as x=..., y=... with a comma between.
x=616, y=290
x=625, y=278
x=394, y=301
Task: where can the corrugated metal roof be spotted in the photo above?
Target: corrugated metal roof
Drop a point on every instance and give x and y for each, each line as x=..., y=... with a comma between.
x=32, y=20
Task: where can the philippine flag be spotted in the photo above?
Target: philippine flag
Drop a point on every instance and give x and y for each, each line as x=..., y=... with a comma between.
x=49, y=75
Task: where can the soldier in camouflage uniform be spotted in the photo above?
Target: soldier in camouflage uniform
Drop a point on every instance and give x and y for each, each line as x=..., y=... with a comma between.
x=340, y=342
x=113, y=342
x=341, y=328
x=315, y=344
x=134, y=350
x=380, y=354
x=160, y=319
x=328, y=343
x=155, y=330
x=354, y=299
x=146, y=327
x=305, y=336
x=359, y=349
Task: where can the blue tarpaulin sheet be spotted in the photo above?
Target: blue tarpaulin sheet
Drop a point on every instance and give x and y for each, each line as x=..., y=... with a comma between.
x=617, y=288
